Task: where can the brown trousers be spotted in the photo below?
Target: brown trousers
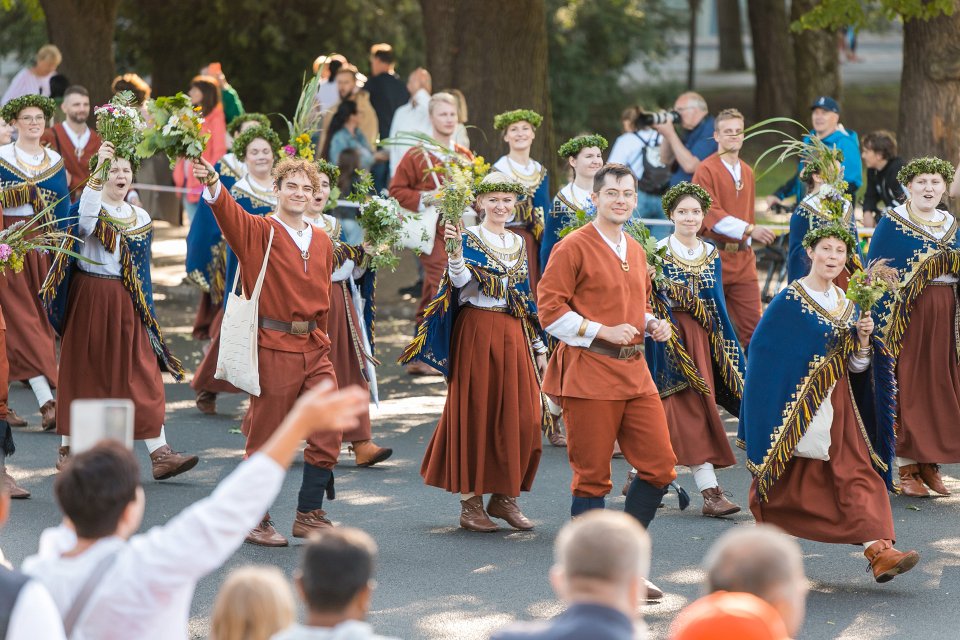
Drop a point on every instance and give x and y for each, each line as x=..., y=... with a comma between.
x=741, y=288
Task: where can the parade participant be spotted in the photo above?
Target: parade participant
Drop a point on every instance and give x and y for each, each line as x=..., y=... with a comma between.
x=293, y=347
x=257, y=147
x=817, y=418
x=6, y=435
x=102, y=308
x=919, y=325
x=414, y=186
x=482, y=332
x=206, y=251
x=33, y=180
x=730, y=222
x=519, y=130
x=826, y=201
x=350, y=330
x=584, y=156
x=76, y=142
x=598, y=306
x=693, y=300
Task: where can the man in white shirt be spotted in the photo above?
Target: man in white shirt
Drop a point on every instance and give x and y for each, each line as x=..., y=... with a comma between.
x=73, y=139
x=413, y=117
x=104, y=579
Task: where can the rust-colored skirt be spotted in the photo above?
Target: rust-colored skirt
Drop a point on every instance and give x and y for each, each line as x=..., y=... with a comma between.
x=533, y=256
x=341, y=325
x=696, y=430
x=841, y=500
x=105, y=353
x=31, y=344
x=203, y=379
x=929, y=380
x=488, y=438
x=206, y=312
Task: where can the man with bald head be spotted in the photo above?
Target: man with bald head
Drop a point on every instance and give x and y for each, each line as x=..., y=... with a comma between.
x=698, y=142
x=413, y=117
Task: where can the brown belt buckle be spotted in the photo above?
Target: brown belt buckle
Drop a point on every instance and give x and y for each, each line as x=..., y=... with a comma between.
x=299, y=327
x=627, y=352
x=732, y=247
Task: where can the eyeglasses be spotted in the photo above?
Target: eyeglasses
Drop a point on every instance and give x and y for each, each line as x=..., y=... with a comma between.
x=31, y=119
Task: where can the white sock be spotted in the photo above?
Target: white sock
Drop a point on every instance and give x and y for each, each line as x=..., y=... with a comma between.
x=866, y=545
x=902, y=462
x=41, y=389
x=64, y=441
x=704, y=476
x=155, y=443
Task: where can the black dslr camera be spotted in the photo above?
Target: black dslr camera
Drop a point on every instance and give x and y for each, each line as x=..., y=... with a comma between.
x=650, y=118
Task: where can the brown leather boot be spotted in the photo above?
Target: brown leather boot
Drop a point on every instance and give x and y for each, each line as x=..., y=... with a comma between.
x=367, y=453
x=265, y=535
x=505, y=508
x=911, y=485
x=168, y=463
x=48, y=415
x=309, y=522
x=887, y=562
x=716, y=504
x=63, y=453
x=626, y=485
x=14, y=419
x=14, y=490
x=930, y=474
x=207, y=402
x=474, y=518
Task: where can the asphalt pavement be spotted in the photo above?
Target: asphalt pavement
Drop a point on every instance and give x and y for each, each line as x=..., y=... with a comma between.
x=438, y=581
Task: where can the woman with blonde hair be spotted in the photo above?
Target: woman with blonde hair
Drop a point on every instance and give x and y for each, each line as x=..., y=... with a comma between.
x=254, y=603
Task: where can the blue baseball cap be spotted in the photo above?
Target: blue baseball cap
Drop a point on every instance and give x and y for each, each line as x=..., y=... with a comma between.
x=825, y=102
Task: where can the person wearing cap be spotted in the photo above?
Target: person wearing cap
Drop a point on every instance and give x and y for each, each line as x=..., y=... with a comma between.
x=519, y=129
x=482, y=332
x=825, y=115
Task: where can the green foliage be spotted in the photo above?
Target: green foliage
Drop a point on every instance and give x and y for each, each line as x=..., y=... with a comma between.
x=833, y=14
x=175, y=129
x=23, y=29
x=590, y=44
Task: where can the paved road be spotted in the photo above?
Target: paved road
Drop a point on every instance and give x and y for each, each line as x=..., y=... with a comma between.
x=437, y=581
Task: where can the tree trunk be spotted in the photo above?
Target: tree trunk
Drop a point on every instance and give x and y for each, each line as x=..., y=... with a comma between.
x=930, y=88
x=512, y=74
x=84, y=30
x=773, y=63
x=817, y=62
x=731, y=36
x=692, y=44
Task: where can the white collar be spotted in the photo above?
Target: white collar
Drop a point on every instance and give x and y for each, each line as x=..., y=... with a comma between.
x=677, y=248
x=619, y=247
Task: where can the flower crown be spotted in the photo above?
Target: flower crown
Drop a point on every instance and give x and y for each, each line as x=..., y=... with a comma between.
x=919, y=166
x=833, y=229
x=508, y=118
x=573, y=146
x=680, y=190
x=497, y=186
x=238, y=121
x=331, y=170
x=822, y=164
x=13, y=108
x=243, y=141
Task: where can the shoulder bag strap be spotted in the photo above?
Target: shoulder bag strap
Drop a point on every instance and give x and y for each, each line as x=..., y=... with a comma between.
x=89, y=587
x=255, y=294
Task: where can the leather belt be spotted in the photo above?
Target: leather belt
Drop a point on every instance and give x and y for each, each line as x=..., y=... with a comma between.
x=296, y=328
x=614, y=351
x=733, y=247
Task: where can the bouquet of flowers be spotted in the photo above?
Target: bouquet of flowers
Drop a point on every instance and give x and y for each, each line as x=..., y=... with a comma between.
x=867, y=287
x=476, y=167
x=120, y=123
x=655, y=255
x=455, y=196
x=175, y=129
x=381, y=219
x=834, y=199
x=31, y=235
x=300, y=147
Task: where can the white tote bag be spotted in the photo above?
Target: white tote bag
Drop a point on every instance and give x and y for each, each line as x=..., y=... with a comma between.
x=420, y=229
x=237, y=361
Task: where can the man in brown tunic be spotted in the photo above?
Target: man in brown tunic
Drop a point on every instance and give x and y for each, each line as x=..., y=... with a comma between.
x=73, y=139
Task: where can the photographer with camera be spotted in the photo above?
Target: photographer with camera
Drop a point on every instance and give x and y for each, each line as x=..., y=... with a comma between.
x=684, y=155
x=639, y=147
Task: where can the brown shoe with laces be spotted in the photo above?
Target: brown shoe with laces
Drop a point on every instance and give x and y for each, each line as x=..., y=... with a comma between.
x=14, y=490
x=911, y=485
x=887, y=563
x=63, y=453
x=505, y=508
x=168, y=463
x=930, y=475
x=265, y=535
x=15, y=420
x=474, y=518
x=716, y=504
x=307, y=522
x=367, y=453
x=48, y=415
x=207, y=403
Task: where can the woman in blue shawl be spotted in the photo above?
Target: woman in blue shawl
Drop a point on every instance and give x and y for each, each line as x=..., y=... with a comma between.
x=817, y=414
x=920, y=325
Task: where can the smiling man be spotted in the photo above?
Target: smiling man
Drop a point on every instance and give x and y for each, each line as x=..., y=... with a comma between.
x=73, y=139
